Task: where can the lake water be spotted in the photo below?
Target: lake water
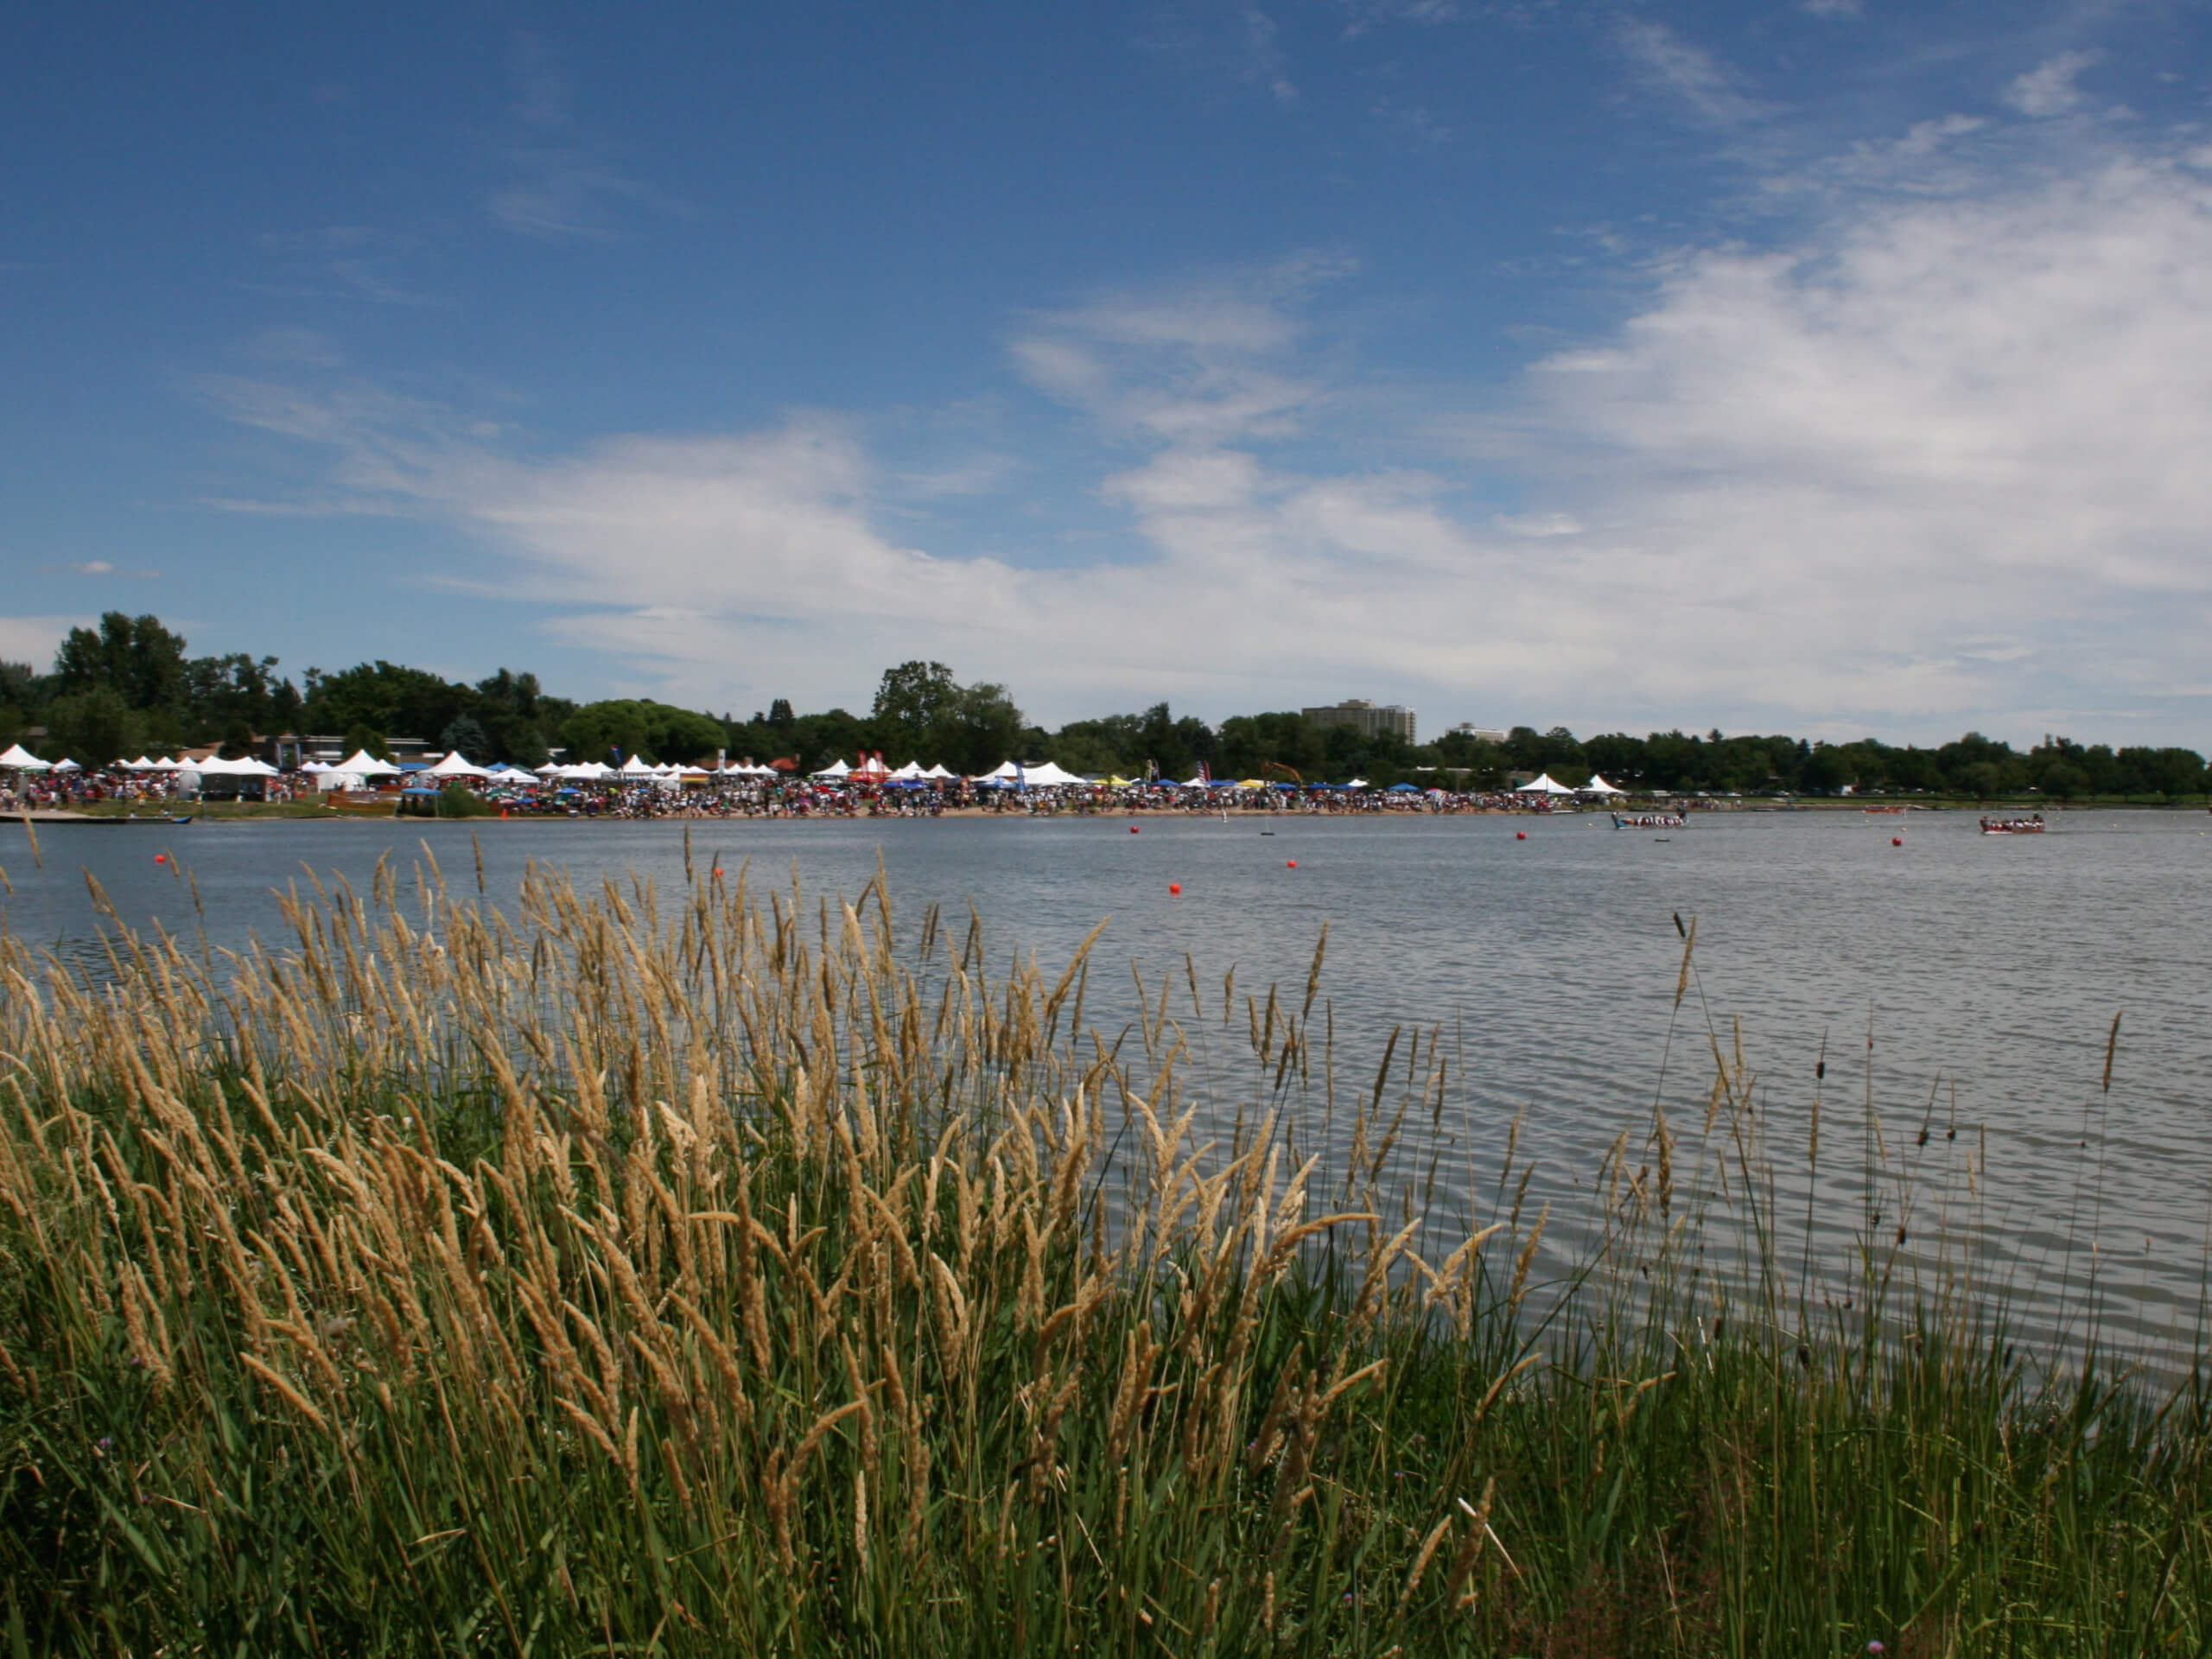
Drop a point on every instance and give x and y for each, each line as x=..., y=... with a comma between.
x=1970, y=981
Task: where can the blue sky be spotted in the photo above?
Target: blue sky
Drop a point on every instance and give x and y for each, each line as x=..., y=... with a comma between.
x=1831, y=367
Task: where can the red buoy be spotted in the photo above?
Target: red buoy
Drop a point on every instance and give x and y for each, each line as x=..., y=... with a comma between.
x=160, y=858
x=1520, y=835
x=1174, y=887
x=1896, y=841
x=1292, y=864
x=1136, y=829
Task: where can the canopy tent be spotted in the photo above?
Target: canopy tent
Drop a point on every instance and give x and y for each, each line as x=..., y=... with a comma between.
x=311, y=768
x=1598, y=785
x=505, y=773
x=456, y=765
x=590, y=772
x=1005, y=773
x=1114, y=780
x=911, y=771
x=633, y=768
x=67, y=764
x=19, y=759
x=1050, y=775
x=1543, y=784
x=1193, y=783
x=165, y=764
x=1404, y=788
x=550, y=769
x=1356, y=783
x=872, y=769
x=939, y=773
x=835, y=769
x=142, y=763
x=362, y=763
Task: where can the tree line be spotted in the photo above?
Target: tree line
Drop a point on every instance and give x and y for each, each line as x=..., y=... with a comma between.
x=130, y=686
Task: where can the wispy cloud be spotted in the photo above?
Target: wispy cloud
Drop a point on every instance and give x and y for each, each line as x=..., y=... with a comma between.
x=561, y=184
x=1686, y=71
x=2048, y=89
x=357, y=262
x=1263, y=53
x=100, y=568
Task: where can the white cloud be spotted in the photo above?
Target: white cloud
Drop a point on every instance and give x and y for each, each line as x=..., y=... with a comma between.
x=1938, y=465
x=2048, y=89
x=1836, y=10
x=34, y=639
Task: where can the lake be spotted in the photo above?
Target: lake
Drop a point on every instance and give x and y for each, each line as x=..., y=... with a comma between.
x=1966, y=982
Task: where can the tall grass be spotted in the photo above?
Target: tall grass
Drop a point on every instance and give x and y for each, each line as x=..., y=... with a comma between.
x=739, y=1275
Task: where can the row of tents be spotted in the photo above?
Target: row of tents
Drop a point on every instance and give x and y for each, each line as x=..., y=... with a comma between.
x=359, y=769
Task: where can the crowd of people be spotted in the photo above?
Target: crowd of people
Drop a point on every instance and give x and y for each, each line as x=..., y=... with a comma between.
x=746, y=793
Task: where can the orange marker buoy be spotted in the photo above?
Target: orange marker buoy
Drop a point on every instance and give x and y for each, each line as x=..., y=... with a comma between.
x=1291, y=864
x=718, y=872
x=1520, y=835
x=160, y=858
x=1174, y=887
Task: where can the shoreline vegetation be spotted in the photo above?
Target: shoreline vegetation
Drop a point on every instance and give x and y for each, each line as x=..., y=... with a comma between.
x=734, y=1271
x=128, y=687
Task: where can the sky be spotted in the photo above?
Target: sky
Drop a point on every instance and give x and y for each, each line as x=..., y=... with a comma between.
x=1837, y=367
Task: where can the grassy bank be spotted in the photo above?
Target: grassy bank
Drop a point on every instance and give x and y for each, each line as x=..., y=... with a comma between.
x=732, y=1274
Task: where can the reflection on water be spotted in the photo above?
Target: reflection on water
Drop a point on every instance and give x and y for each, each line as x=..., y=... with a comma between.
x=1957, y=991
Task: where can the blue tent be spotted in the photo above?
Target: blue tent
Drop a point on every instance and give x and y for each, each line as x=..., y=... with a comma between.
x=1404, y=788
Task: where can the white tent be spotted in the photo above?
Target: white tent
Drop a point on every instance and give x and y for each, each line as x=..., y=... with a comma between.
x=66, y=765
x=835, y=769
x=938, y=772
x=165, y=764
x=312, y=767
x=910, y=773
x=1193, y=783
x=1356, y=783
x=19, y=759
x=1005, y=772
x=587, y=771
x=550, y=769
x=1543, y=784
x=633, y=768
x=511, y=773
x=1050, y=775
x=142, y=763
x=362, y=763
x=455, y=765
x=1598, y=785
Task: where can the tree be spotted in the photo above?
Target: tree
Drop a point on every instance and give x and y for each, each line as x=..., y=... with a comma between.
x=916, y=706
x=366, y=739
x=92, y=728
x=621, y=726
x=463, y=735
x=137, y=658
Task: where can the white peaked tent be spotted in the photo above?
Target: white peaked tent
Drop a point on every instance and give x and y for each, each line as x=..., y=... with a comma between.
x=1005, y=773
x=911, y=772
x=511, y=773
x=311, y=768
x=19, y=759
x=633, y=768
x=550, y=769
x=835, y=769
x=456, y=765
x=165, y=764
x=67, y=764
x=938, y=772
x=362, y=763
x=587, y=771
x=1598, y=785
x=1050, y=775
x=142, y=763
x=1543, y=784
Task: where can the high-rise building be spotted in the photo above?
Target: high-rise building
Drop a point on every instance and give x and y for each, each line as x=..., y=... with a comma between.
x=1366, y=717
